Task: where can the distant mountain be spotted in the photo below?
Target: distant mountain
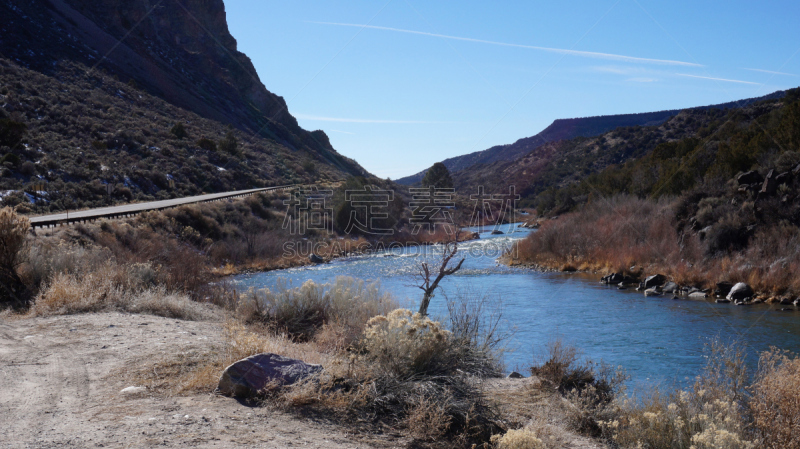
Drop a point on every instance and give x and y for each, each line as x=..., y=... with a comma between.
x=565, y=129
x=179, y=50
x=559, y=174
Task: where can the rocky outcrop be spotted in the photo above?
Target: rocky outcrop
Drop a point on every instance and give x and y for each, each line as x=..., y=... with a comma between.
x=253, y=375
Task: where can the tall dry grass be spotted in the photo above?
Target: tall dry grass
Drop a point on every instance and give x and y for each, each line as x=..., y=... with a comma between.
x=615, y=234
x=711, y=414
x=775, y=403
x=129, y=288
x=637, y=236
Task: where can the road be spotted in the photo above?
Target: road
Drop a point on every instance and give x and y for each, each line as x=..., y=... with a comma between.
x=135, y=208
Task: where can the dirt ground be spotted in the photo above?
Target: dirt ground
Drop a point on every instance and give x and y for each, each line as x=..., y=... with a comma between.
x=62, y=380
x=61, y=386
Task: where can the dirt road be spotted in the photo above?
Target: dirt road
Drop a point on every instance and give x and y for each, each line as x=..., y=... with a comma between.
x=61, y=382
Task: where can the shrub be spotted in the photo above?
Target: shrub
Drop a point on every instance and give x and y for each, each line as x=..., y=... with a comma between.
x=13, y=232
x=229, y=144
x=707, y=415
x=518, y=439
x=775, y=405
x=207, y=144
x=302, y=312
x=46, y=259
x=405, y=344
x=179, y=131
x=590, y=387
x=14, y=229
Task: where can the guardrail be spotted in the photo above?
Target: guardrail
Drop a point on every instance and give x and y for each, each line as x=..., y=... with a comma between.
x=128, y=210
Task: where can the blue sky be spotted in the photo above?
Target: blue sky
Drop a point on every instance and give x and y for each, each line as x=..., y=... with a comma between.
x=401, y=84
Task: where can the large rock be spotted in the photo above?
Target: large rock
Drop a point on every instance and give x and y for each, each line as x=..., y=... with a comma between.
x=723, y=288
x=751, y=177
x=248, y=377
x=698, y=295
x=654, y=291
x=740, y=291
x=654, y=280
x=769, y=186
x=670, y=287
x=783, y=178
x=316, y=259
x=612, y=279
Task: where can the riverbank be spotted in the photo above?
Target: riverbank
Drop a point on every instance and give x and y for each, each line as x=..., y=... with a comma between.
x=640, y=238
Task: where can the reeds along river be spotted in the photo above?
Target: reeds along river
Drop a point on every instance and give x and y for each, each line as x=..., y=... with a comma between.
x=654, y=339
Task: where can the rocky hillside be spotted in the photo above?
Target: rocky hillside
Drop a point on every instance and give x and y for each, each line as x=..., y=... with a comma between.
x=91, y=90
x=563, y=129
x=701, y=153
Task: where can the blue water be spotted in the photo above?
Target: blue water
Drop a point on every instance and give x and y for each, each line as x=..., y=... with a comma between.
x=656, y=340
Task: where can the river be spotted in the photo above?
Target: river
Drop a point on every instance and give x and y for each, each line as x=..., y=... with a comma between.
x=656, y=340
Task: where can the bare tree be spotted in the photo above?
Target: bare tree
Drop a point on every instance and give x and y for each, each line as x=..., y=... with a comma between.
x=428, y=282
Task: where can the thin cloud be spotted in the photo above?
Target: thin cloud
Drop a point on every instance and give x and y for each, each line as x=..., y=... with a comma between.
x=769, y=71
x=642, y=80
x=363, y=120
x=718, y=79
x=585, y=54
x=615, y=70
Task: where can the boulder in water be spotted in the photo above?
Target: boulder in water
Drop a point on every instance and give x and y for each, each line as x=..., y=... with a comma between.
x=316, y=259
x=698, y=295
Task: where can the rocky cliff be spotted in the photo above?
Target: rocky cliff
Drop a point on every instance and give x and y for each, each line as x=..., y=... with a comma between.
x=179, y=50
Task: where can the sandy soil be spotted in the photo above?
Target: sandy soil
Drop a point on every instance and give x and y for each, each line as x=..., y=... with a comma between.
x=61, y=380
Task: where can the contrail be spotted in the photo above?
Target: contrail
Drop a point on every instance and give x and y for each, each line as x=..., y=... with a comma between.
x=585, y=54
x=770, y=72
x=718, y=79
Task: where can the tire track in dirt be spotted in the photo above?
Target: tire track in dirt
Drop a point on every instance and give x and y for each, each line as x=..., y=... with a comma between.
x=25, y=389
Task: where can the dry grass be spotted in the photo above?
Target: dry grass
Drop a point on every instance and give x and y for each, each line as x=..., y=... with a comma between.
x=635, y=236
x=775, y=405
x=130, y=288
x=709, y=415
x=609, y=235
x=200, y=371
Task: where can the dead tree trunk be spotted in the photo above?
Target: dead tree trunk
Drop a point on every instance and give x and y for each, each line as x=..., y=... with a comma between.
x=429, y=285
